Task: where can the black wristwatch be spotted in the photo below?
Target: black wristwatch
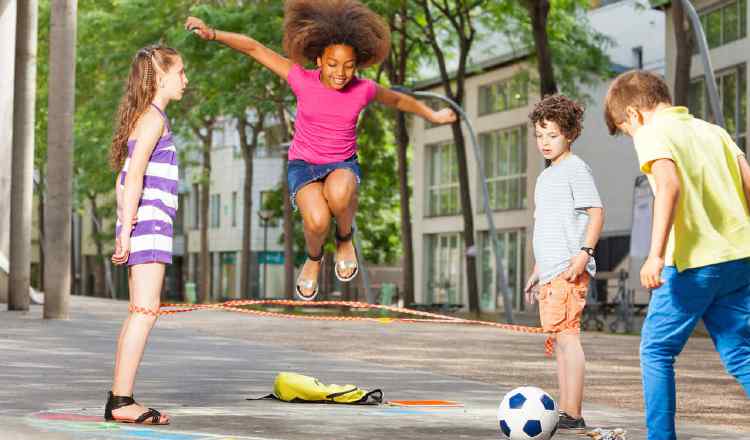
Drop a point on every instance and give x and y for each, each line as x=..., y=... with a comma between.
x=588, y=250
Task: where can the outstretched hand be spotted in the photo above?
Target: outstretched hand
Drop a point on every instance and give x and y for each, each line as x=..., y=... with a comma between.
x=444, y=116
x=197, y=26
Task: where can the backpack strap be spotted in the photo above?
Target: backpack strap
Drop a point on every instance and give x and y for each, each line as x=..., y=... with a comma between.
x=374, y=397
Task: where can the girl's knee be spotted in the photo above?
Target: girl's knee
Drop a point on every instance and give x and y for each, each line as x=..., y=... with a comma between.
x=318, y=221
x=340, y=198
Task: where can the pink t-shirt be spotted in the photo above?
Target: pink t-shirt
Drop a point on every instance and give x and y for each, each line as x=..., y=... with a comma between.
x=325, y=129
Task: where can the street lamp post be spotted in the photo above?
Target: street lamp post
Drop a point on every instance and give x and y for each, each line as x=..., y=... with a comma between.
x=500, y=282
x=265, y=216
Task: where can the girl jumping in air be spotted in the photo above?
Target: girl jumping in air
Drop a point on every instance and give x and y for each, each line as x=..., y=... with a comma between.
x=339, y=37
x=143, y=152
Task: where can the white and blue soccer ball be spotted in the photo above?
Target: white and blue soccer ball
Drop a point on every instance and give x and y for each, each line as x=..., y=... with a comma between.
x=528, y=413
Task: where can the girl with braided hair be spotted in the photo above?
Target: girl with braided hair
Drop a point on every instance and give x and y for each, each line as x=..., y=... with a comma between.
x=144, y=154
x=339, y=37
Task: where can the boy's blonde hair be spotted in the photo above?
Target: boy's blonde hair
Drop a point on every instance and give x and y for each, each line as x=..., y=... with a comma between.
x=639, y=89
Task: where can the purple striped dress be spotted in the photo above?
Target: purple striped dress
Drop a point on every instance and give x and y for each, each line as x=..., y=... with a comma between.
x=151, y=239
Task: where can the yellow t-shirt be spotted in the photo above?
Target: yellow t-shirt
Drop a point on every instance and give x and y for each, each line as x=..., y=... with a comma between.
x=712, y=221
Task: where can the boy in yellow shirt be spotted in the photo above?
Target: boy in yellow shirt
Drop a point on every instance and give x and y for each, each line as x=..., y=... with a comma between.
x=698, y=264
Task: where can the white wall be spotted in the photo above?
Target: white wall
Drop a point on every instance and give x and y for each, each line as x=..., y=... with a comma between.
x=7, y=66
x=630, y=24
x=613, y=163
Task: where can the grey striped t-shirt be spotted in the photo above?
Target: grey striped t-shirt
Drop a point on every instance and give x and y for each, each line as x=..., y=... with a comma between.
x=563, y=192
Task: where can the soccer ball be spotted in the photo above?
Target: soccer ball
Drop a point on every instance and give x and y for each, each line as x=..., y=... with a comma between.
x=528, y=413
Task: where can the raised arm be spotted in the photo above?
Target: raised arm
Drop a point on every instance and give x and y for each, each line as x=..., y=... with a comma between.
x=408, y=104
x=242, y=43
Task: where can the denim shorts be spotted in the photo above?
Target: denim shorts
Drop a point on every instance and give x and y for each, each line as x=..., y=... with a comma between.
x=300, y=173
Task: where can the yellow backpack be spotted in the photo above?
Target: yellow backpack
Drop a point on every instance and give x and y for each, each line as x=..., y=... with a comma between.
x=297, y=388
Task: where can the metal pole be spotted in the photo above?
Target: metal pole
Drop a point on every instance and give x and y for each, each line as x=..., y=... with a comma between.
x=265, y=255
x=700, y=38
x=500, y=282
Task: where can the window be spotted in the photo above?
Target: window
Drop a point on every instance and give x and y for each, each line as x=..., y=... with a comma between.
x=504, y=95
x=234, y=208
x=504, y=154
x=442, y=180
x=215, y=210
x=732, y=86
x=512, y=251
x=444, y=269
x=724, y=24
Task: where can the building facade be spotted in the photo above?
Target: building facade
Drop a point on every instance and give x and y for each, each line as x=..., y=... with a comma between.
x=226, y=209
x=725, y=25
x=498, y=100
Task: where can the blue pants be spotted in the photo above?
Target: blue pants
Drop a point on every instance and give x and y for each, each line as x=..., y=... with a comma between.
x=720, y=295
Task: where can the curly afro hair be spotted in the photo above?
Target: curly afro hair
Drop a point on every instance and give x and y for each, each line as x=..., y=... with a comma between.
x=566, y=113
x=312, y=25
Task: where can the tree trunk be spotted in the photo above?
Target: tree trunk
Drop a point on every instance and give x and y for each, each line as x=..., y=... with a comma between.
x=288, y=225
x=100, y=288
x=22, y=171
x=683, y=54
x=468, y=216
x=62, y=65
x=204, y=290
x=460, y=19
x=397, y=71
x=247, y=208
x=538, y=12
x=407, y=244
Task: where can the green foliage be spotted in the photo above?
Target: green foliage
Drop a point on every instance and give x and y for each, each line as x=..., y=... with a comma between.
x=578, y=51
x=225, y=83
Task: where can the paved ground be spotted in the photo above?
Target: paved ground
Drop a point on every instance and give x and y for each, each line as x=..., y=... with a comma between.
x=200, y=366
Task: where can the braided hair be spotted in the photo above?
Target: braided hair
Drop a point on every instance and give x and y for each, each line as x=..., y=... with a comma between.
x=140, y=90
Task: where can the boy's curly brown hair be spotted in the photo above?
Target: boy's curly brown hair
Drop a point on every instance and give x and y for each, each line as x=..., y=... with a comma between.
x=566, y=113
x=312, y=25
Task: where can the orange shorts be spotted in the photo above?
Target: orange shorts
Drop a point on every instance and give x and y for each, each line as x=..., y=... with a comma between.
x=561, y=304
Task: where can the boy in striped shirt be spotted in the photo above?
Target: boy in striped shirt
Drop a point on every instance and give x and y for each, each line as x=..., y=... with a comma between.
x=568, y=219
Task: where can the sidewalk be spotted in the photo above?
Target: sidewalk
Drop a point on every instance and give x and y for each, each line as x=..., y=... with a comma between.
x=199, y=367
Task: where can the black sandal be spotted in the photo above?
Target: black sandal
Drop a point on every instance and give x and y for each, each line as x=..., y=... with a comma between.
x=150, y=417
x=345, y=264
x=309, y=284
